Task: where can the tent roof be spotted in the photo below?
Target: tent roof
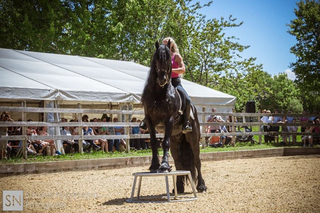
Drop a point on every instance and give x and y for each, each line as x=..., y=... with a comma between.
x=27, y=75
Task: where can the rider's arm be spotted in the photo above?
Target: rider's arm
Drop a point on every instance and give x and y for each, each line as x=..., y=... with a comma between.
x=181, y=68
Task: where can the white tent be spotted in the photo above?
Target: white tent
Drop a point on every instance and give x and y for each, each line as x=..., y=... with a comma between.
x=26, y=75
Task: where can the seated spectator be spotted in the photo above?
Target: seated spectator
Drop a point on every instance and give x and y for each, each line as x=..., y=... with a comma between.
x=285, y=130
x=135, y=142
x=38, y=145
x=308, y=138
x=53, y=149
x=118, y=131
x=214, y=119
x=316, y=129
x=266, y=128
x=110, y=130
x=215, y=141
x=293, y=130
x=225, y=140
x=75, y=131
x=5, y=116
x=101, y=131
x=276, y=129
x=145, y=141
x=70, y=144
x=89, y=131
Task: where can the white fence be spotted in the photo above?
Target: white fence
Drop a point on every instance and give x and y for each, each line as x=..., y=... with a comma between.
x=247, y=119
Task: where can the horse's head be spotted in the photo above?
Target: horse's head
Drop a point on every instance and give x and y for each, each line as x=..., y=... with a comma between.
x=163, y=65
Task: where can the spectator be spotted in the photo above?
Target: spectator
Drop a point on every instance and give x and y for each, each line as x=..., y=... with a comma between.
x=293, y=130
x=214, y=116
x=225, y=140
x=317, y=130
x=43, y=131
x=308, y=137
x=118, y=131
x=285, y=130
x=144, y=141
x=303, y=120
x=89, y=131
x=5, y=116
x=75, y=131
x=110, y=130
x=266, y=128
x=215, y=141
x=276, y=129
x=34, y=145
x=215, y=126
x=135, y=130
x=290, y=121
x=102, y=131
x=70, y=144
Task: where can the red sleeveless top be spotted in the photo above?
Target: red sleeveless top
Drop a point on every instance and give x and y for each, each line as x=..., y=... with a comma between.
x=174, y=66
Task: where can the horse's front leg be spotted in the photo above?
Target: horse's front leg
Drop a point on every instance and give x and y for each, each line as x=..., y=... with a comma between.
x=166, y=145
x=154, y=146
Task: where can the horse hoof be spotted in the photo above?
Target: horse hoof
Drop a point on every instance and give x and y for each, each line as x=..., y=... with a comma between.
x=202, y=188
x=178, y=191
x=165, y=167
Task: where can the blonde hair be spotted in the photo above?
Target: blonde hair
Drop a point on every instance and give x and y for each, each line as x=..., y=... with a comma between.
x=174, y=48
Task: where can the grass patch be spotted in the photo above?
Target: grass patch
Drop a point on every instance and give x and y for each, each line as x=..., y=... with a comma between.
x=138, y=153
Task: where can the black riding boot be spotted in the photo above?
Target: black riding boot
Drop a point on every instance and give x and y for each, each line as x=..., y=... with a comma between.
x=143, y=125
x=186, y=126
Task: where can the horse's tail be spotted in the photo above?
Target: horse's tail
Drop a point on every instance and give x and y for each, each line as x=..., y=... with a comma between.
x=187, y=158
x=186, y=153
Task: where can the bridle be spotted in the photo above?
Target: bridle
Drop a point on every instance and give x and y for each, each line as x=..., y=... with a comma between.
x=168, y=79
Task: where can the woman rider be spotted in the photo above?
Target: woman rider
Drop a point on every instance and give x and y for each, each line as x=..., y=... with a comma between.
x=178, y=68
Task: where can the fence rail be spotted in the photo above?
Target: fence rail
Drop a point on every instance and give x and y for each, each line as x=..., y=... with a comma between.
x=247, y=119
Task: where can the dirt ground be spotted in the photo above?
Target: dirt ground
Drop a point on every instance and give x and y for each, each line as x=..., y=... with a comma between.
x=281, y=184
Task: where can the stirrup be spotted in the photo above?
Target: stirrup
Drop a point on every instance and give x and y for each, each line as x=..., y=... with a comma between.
x=186, y=128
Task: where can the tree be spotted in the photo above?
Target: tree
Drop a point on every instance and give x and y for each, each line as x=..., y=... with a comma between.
x=283, y=93
x=128, y=30
x=306, y=29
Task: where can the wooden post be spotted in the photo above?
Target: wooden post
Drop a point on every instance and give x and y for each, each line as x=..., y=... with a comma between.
x=233, y=128
x=260, y=132
x=203, y=141
x=80, y=131
x=24, y=132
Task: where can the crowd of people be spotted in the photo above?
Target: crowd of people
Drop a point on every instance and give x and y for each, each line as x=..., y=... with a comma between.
x=287, y=132
x=49, y=146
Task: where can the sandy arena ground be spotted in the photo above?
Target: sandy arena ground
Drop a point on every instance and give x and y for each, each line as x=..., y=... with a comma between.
x=281, y=184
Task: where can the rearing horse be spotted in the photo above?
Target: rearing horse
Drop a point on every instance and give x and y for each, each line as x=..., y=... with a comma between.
x=162, y=104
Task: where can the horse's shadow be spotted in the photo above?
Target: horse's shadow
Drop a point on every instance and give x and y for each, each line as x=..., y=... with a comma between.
x=116, y=201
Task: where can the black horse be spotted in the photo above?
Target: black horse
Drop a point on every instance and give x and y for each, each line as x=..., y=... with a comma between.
x=162, y=107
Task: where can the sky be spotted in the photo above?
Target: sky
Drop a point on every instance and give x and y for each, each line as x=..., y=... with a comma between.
x=264, y=29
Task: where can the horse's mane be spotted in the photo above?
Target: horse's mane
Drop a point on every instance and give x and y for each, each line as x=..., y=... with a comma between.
x=152, y=77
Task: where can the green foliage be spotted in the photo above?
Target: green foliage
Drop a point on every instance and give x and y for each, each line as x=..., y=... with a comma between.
x=127, y=30
x=283, y=95
x=306, y=29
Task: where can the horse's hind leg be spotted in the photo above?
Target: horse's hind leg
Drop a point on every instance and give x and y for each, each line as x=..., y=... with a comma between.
x=201, y=187
x=177, y=162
